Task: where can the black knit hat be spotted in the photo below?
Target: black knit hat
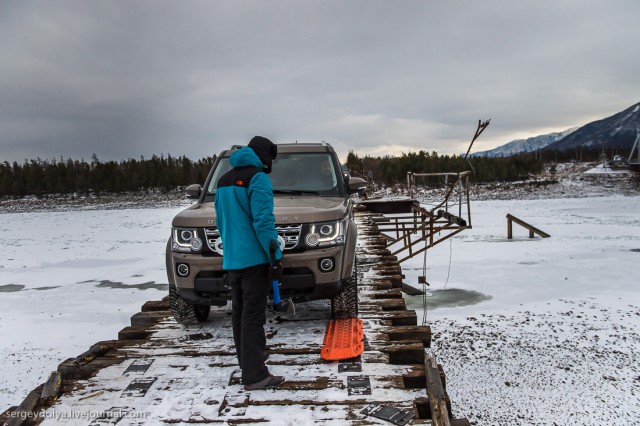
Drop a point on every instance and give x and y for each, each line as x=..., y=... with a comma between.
x=265, y=149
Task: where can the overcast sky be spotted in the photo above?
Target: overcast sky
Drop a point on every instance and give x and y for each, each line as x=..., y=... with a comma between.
x=124, y=79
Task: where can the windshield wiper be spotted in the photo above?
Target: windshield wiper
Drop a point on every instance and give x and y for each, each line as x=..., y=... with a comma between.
x=295, y=191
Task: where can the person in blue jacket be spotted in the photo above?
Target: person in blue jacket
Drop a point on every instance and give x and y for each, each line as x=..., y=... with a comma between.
x=244, y=217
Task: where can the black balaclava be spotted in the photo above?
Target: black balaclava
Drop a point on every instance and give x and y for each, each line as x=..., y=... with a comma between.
x=265, y=150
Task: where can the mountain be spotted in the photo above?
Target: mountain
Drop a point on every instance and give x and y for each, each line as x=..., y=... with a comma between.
x=525, y=145
x=618, y=131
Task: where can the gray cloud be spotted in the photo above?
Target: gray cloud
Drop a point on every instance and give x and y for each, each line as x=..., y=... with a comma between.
x=123, y=79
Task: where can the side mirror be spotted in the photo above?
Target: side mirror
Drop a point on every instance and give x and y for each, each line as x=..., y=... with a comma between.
x=357, y=185
x=346, y=175
x=193, y=191
x=345, y=178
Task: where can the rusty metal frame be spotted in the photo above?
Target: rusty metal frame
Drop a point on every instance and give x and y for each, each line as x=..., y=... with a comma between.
x=419, y=225
x=423, y=227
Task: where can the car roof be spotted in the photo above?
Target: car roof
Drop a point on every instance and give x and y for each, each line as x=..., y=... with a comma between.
x=290, y=147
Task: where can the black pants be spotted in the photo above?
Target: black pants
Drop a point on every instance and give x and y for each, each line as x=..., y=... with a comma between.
x=249, y=291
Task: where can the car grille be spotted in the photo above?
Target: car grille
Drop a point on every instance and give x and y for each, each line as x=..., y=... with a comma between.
x=290, y=234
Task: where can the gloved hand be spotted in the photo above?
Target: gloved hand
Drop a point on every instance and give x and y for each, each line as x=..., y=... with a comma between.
x=275, y=271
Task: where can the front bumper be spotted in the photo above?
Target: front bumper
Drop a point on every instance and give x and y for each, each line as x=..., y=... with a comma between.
x=302, y=277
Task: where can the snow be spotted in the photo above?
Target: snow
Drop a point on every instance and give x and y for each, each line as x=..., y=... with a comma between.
x=602, y=168
x=557, y=341
x=554, y=340
x=69, y=279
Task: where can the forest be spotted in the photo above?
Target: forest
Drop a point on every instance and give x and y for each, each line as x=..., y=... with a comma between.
x=390, y=170
x=39, y=177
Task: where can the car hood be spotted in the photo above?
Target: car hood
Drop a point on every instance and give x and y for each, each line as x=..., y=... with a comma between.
x=287, y=210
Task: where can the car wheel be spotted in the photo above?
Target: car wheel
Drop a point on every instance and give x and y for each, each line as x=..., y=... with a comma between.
x=345, y=304
x=185, y=312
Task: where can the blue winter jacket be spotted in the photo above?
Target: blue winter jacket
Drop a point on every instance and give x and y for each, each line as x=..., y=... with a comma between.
x=244, y=212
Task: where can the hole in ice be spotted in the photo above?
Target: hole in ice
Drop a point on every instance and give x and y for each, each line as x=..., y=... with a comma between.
x=10, y=288
x=143, y=286
x=448, y=297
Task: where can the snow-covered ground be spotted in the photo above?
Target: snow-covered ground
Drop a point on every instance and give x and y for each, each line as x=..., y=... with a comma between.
x=549, y=334
x=555, y=338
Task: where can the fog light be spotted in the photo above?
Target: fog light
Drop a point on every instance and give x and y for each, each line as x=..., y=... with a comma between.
x=182, y=269
x=326, y=264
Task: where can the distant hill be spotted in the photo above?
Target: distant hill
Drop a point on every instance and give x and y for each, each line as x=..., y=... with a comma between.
x=524, y=145
x=618, y=131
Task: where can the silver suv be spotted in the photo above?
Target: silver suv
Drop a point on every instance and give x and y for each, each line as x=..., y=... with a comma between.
x=314, y=220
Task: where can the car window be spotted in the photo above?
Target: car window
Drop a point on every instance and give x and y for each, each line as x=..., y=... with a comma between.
x=312, y=172
x=291, y=172
x=222, y=167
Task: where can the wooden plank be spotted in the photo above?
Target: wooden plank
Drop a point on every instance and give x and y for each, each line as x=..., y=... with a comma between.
x=395, y=317
x=148, y=319
x=134, y=333
x=25, y=412
x=411, y=291
x=52, y=387
x=387, y=294
x=410, y=332
x=385, y=304
x=156, y=305
x=435, y=391
x=460, y=422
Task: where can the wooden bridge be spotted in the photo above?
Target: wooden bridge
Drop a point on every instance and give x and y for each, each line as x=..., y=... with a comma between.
x=158, y=372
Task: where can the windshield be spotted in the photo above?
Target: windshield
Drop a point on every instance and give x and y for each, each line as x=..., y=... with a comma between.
x=294, y=173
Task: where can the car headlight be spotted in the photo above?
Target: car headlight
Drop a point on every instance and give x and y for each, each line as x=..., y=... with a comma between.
x=186, y=240
x=325, y=234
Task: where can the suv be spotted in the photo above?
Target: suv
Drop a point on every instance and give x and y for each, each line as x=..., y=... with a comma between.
x=314, y=219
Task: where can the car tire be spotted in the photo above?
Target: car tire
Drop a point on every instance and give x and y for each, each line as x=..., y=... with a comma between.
x=185, y=312
x=345, y=303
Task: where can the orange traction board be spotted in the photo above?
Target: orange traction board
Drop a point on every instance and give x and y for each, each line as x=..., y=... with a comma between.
x=343, y=339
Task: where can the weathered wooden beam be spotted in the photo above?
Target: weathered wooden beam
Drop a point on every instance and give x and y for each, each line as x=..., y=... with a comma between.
x=411, y=332
x=69, y=370
x=94, y=351
x=435, y=391
x=380, y=284
x=385, y=304
x=410, y=290
x=156, y=305
x=25, y=413
x=387, y=294
x=147, y=319
x=396, y=317
x=414, y=379
x=134, y=333
x=52, y=387
x=412, y=353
